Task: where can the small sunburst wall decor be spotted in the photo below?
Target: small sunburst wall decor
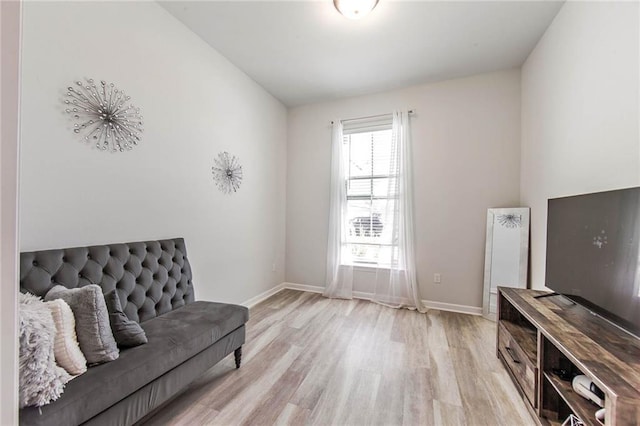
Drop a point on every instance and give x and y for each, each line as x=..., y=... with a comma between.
x=103, y=113
x=227, y=172
x=510, y=220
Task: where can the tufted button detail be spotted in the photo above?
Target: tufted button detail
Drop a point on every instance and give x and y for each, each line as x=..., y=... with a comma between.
x=146, y=275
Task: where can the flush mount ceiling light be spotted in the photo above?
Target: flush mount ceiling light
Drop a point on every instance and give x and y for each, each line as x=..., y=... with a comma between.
x=355, y=9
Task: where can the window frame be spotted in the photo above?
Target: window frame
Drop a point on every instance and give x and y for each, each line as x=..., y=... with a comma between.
x=349, y=243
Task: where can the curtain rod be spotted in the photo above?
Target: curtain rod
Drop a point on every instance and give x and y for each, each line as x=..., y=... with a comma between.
x=372, y=116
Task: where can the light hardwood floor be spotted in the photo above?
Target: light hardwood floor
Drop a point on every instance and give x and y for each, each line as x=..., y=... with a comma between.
x=312, y=360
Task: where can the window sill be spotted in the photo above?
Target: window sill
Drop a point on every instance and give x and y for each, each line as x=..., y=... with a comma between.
x=365, y=268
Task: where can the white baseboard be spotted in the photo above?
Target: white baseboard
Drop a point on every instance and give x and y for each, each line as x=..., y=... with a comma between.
x=449, y=307
x=303, y=287
x=263, y=296
x=452, y=307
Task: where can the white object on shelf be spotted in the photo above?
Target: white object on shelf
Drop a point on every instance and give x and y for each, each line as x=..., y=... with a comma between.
x=572, y=421
x=582, y=385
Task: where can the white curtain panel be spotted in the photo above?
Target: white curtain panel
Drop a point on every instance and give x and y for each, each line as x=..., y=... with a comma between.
x=394, y=284
x=339, y=277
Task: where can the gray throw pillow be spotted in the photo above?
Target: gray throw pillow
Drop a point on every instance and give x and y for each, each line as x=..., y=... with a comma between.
x=92, y=321
x=127, y=332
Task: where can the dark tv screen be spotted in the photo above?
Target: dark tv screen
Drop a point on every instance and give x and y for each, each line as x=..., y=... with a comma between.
x=593, y=254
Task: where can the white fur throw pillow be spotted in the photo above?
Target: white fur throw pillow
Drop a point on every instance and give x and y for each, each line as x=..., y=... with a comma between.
x=41, y=380
x=66, y=348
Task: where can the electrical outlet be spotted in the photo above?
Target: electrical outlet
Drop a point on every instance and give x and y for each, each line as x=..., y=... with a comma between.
x=437, y=278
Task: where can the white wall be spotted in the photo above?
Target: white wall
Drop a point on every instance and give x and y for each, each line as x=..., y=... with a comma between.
x=580, y=111
x=466, y=159
x=10, y=36
x=195, y=105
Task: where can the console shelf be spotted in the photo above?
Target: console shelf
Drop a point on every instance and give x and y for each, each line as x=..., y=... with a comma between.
x=581, y=407
x=538, y=337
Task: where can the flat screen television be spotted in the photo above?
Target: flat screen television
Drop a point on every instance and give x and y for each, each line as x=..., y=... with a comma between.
x=593, y=253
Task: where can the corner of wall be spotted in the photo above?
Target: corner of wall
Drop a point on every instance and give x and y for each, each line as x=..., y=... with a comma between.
x=10, y=29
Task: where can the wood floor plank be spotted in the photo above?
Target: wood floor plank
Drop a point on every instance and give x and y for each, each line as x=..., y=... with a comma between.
x=503, y=389
x=292, y=415
x=184, y=412
x=418, y=398
x=323, y=359
x=437, y=335
x=228, y=388
x=234, y=410
x=331, y=406
x=451, y=415
x=389, y=406
x=309, y=360
x=360, y=401
x=417, y=335
x=474, y=392
x=275, y=400
x=445, y=382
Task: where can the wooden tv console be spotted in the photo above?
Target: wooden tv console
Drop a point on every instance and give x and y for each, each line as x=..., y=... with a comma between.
x=538, y=336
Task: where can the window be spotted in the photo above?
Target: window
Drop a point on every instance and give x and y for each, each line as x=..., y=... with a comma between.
x=370, y=220
x=371, y=188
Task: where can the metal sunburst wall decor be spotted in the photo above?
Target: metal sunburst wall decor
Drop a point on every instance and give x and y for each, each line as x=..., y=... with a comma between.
x=510, y=220
x=103, y=113
x=227, y=172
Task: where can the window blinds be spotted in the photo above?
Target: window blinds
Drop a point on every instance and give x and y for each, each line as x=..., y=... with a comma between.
x=367, y=124
x=371, y=183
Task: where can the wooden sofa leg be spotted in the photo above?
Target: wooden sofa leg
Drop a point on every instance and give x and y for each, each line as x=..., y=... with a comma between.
x=238, y=356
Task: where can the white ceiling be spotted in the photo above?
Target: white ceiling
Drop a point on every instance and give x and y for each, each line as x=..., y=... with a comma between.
x=305, y=51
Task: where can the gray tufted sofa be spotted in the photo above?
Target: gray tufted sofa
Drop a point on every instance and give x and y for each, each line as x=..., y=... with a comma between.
x=153, y=282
